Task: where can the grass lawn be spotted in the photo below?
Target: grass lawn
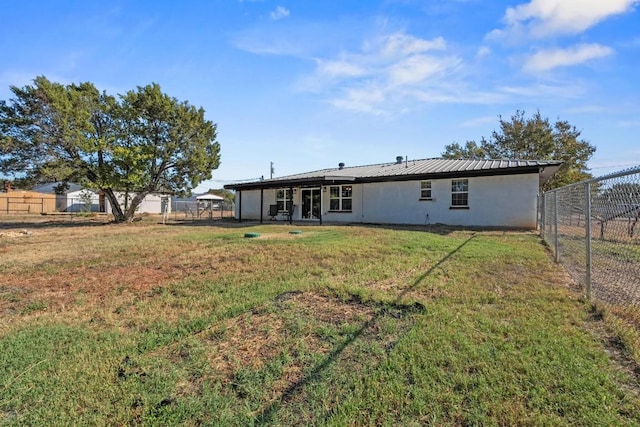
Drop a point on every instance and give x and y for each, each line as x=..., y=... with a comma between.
x=145, y=324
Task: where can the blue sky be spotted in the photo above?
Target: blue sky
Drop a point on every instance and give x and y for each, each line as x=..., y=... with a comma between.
x=308, y=84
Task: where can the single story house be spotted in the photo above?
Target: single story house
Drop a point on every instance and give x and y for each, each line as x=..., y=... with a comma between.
x=495, y=193
x=75, y=198
x=71, y=197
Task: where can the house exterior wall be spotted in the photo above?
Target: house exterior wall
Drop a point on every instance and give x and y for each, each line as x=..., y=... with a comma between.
x=497, y=201
x=251, y=204
x=74, y=202
x=152, y=203
x=508, y=201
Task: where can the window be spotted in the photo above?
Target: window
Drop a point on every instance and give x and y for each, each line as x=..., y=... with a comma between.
x=282, y=197
x=425, y=190
x=459, y=193
x=340, y=198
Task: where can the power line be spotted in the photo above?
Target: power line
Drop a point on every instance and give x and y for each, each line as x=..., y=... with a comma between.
x=624, y=165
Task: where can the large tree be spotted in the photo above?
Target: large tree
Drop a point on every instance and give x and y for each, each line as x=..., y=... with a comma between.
x=141, y=142
x=533, y=138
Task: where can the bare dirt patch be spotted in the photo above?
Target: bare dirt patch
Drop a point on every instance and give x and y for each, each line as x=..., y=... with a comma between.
x=283, y=235
x=15, y=233
x=300, y=333
x=254, y=338
x=52, y=268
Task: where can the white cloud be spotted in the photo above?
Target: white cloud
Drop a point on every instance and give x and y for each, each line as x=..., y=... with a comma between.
x=483, y=51
x=388, y=69
x=339, y=68
x=628, y=123
x=400, y=44
x=459, y=94
x=567, y=90
x=279, y=46
x=418, y=68
x=545, y=60
x=366, y=99
x=279, y=13
x=479, y=121
x=543, y=18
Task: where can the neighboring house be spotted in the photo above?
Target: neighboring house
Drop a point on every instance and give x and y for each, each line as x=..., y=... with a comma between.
x=75, y=198
x=71, y=197
x=154, y=203
x=496, y=193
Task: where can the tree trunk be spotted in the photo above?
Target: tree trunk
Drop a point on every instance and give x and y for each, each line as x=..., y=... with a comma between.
x=116, y=209
x=133, y=206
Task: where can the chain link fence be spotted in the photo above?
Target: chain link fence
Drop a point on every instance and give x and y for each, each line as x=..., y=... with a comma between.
x=201, y=210
x=593, y=229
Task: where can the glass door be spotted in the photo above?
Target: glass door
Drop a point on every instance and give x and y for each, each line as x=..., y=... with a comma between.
x=310, y=203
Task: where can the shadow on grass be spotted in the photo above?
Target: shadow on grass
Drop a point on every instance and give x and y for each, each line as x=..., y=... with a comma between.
x=266, y=415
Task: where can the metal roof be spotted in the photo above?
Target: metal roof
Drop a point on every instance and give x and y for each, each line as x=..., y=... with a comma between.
x=411, y=169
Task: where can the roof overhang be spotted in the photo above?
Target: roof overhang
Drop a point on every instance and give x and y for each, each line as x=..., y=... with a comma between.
x=545, y=172
x=294, y=182
x=212, y=197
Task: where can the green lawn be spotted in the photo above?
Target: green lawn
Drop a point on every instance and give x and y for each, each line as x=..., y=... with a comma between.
x=339, y=325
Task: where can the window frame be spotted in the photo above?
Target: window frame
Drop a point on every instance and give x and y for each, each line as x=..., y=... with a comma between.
x=459, y=193
x=344, y=198
x=282, y=197
x=423, y=188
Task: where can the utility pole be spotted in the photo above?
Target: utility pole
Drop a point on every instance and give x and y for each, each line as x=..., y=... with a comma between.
x=271, y=170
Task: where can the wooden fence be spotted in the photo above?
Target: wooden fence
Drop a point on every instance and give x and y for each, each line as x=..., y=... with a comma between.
x=24, y=202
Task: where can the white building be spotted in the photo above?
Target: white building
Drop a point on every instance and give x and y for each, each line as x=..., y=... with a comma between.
x=494, y=193
x=75, y=198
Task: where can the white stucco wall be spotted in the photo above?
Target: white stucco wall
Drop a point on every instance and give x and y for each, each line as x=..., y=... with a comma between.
x=152, y=203
x=73, y=201
x=250, y=204
x=501, y=201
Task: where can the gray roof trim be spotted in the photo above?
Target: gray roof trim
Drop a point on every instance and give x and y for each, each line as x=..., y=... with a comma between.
x=408, y=171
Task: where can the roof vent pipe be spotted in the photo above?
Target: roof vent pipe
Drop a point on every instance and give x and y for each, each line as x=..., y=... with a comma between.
x=340, y=165
x=399, y=160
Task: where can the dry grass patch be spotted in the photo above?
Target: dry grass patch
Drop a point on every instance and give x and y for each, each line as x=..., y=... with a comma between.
x=284, y=235
x=251, y=340
x=283, y=346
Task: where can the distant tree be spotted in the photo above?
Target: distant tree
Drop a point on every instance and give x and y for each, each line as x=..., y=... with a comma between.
x=86, y=199
x=470, y=150
x=61, y=188
x=143, y=142
x=533, y=139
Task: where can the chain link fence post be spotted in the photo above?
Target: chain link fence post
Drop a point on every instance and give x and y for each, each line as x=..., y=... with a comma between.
x=543, y=214
x=555, y=226
x=587, y=215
